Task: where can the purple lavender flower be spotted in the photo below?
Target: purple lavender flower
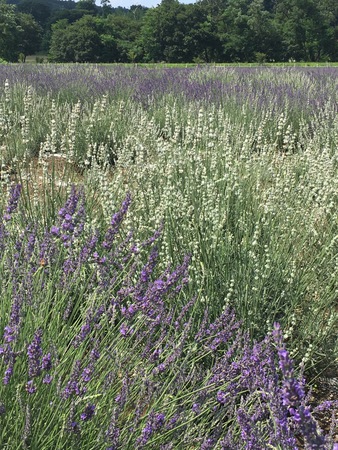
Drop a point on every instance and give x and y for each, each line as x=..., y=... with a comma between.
x=221, y=397
x=146, y=434
x=34, y=353
x=46, y=362
x=13, y=201
x=55, y=230
x=155, y=355
x=88, y=248
x=71, y=204
x=85, y=330
x=47, y=379
x=72, y=424
x=32, y=238
x=8, y=373
x=88, y=412
x=196, y=408
x=30, y=387
x=9, y=334
x=154, y=423
x=74, y=427
x=248, y=429
x=115, y=223
x=94, y=354
x=113, y=432
x=122, y=397
x=92, y=320
x=172, y=422
x=47, y=250
x=159, y=420
x=222, y=329
x=154, y=237
x=87, y=373
x=73, y=386
x=125, y=330
x=207, y=444
x=293, y=396
x=71, y=217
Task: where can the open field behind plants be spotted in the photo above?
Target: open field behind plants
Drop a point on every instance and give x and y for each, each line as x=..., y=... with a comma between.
x=168, y=257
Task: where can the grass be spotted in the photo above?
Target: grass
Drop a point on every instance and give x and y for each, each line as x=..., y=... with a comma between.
x=32, y=59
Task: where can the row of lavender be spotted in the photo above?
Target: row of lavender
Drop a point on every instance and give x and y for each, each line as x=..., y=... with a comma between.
x=307, y=90
x=77, y=109
x=100, y=349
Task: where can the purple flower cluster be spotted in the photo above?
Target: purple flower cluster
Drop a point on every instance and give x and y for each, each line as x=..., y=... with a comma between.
x=37, y=362
x=88, y=412
x=220, y=331
x=293, y=396
x=72, y=218
x=74, y=385
x=115, y=223
x=155, y=422
x=13, y=201
x=34, y=353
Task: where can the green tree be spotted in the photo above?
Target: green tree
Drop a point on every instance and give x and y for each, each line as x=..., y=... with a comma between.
x=263, y=33
x=138, y=11
x=9, y=33
x=85, y=40
x=77, y=42
x=305, y=29
x=106, y=7
x=38, y=9
x=175, y=32
x=213, y=7
x=59, y=50
x=329, y=11
x=87, y=5
x=30, y=34
x=234, y=32
x=72, y=15
x=124, y=30
x=200, y=41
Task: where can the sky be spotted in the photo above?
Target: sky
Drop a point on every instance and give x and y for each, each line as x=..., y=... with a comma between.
x=129, y=3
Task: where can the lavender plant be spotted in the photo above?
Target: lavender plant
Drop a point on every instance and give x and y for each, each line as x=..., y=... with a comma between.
x=239, y=162
x=101, y=349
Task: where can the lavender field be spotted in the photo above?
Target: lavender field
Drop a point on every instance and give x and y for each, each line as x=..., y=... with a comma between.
x=168, y=258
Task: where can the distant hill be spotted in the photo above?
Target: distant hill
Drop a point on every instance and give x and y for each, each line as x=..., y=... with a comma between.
x=52, y=4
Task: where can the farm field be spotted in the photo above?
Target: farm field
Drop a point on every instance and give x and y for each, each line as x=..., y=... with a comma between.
x=168, y=257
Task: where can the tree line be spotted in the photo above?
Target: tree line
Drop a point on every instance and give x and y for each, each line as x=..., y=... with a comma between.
x=205, y=31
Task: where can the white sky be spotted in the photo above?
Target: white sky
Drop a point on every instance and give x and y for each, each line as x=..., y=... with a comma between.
x=129, y=3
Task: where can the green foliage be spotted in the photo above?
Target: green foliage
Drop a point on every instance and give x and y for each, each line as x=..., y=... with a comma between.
x=19, y=33
x=98, y=39
x=77, y=42
x=87, y=5
x=174, y=32
x=9, y=33
x=37, y=8
x=31, y=33
x=305, y=30
x=204, y=31
x=123, y=31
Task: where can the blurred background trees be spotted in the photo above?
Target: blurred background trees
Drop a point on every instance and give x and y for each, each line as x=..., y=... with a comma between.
x=204, y=31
